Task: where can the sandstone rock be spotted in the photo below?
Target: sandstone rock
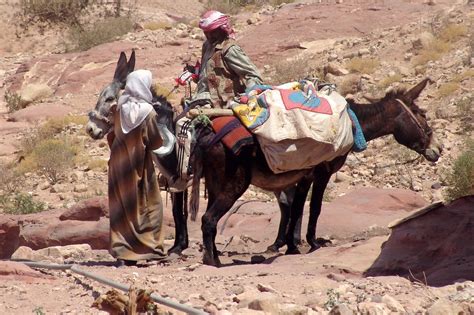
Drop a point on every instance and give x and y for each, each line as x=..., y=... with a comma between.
x=363, y=52
x=9, y=236
x=341, y=309
x=20, y=272
x=266, y=288
x=372, y=308
x=87, y=210
x=80, y=188
x=57, y=233
x=443, y=306
x=335, y=69
x=423, y=40
x=56, y=254
x=35, y=92
x=266, y=302
x=393, y=304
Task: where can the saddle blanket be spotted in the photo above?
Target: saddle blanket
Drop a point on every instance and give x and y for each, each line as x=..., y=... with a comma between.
x=296, y=126
x=232, y=133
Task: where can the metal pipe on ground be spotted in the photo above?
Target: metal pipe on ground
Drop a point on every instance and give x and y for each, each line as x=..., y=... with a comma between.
x=120, y=286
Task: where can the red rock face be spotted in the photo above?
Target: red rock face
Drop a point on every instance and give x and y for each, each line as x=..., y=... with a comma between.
x=9, y=236
x=438, y=245
x=17, y=271
x=87, y=210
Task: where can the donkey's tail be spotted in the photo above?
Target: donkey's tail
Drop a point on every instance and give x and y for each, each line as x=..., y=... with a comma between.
x=196, y=162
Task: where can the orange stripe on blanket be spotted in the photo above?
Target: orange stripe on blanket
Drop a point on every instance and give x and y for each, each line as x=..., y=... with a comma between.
x=238, y=136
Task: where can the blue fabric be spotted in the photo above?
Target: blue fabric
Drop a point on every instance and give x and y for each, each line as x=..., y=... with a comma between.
x=360, y=144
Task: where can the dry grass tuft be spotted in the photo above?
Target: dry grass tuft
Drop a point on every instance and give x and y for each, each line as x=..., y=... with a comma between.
x=453, y=32
x=98, y=33
x=387, y=81
x=447, y=89
x=461, y=178
x=362, y=65
x=157, y=25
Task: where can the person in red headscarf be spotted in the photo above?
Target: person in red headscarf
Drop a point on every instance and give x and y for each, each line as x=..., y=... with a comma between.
x=225, y=72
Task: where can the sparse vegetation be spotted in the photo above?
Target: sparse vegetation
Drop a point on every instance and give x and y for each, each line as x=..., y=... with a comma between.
x=466, y=112
x=234, y=6
x=362, y=65
x=53, y=11
x=434, y=51
x=20, y=203
x=461, y=178
x=157, y=25
x=100, y=32
x=97, y=164
x=387, y=81
x=293, y=70
x=13, y=101
x=447, y=89
x=453, y=32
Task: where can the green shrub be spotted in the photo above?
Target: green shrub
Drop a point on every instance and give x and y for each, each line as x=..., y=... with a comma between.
x=10, y=179
x=100, y=32
x=13, y=101
x=20, y=203
x=461, y=178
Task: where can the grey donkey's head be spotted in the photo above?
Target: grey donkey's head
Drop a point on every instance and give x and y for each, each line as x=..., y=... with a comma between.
x=101, y=117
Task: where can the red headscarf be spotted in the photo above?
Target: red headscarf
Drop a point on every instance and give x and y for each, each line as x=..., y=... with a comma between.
x=212, y=20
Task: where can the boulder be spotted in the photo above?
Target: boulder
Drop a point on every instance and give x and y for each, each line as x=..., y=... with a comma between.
x=87, y=210
x=433, y=245
x=15, y=271
x=9, y=236
x=56, y=254
x=59, y=233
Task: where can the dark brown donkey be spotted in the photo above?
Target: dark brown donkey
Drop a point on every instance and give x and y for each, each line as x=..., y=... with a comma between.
x=228, y=176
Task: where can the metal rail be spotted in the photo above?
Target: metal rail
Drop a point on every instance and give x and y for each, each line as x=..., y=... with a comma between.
x=120, y=286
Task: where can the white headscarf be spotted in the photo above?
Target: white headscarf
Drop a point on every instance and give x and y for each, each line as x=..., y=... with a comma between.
x=135, y=103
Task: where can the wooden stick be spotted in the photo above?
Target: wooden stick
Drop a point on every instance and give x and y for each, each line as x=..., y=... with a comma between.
x=211, y=112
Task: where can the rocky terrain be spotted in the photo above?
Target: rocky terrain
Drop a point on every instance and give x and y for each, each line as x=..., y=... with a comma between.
x=366, y=47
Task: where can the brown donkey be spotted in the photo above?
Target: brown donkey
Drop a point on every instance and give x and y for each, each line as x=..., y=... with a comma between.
x=228, y=176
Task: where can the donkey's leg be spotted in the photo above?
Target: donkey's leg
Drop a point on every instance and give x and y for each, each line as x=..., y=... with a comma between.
x=180, y=223
x=285, y=199
x=209, y=228
x=322, y=176
x=297, y=206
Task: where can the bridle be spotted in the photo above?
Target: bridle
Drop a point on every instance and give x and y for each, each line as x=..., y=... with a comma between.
x=98, y=116
x=415, y=120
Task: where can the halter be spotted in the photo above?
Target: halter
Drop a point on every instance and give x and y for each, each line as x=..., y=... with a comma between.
x=96, y=115
x=413, y=117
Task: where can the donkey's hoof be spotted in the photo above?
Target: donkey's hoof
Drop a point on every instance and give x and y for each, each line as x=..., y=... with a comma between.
x=272, y=249
x=314, y=248
x=292, y=251
x=176, y=249
x=207, y=260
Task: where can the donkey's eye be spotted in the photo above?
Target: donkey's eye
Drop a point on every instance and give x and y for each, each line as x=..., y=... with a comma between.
x=110, y=99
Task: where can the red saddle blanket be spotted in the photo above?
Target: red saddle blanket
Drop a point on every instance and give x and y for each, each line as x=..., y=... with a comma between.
x=232, y=133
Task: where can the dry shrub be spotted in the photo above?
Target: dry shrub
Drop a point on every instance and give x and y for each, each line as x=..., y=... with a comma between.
x=453, y=32
x=10, y=179
x=434, y=51
x=387, y=81
x=100, y=32
x=234, y=6
x=461, y=178
x=53, y=11
x=468, y=74
x=447, y=89
x=97, y=164
x=349, y=85
x=362, y=65
x=293, y=70
x=466, y=112
x=157, y=25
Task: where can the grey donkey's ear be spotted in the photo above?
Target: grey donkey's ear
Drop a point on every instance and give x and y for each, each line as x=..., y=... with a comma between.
x=121, y=71
x=414, y=92
x=131, y=62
